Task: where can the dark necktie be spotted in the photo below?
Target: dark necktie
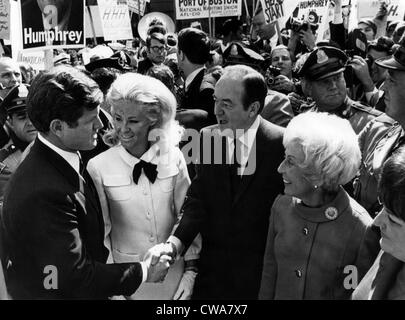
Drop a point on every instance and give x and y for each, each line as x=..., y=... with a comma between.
x=235, y=165
x=149, y=169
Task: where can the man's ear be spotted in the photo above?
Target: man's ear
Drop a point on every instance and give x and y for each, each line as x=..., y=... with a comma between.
x=9, y=121
x=57, y=127
x=181, y=55
x=254, y=108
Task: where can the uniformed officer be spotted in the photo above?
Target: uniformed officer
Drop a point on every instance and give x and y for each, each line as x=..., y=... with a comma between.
x=20, y=130
x=322, y=79
x=384, y=134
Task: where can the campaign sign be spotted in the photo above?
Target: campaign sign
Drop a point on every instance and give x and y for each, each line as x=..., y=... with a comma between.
x=198, y=9
x=52, y=24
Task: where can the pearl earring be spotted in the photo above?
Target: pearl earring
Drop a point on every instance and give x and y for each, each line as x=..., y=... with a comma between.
x=315, y=186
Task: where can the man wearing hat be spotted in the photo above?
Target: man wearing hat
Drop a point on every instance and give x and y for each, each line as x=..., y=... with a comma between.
x=383, y=135
x=20, y=130
x=322, y=79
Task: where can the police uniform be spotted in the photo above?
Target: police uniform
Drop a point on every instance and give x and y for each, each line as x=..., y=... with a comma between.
x=11, y=153
x=325, y=62
x=378, y=141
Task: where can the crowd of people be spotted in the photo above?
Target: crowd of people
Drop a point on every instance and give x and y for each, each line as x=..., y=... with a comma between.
x=198, y=168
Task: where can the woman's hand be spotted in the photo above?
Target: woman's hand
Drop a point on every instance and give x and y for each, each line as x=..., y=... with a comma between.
x=186, y=286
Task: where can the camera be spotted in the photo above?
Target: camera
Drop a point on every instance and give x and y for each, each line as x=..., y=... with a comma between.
x=271, y=73
x=351, y=53
x=297, y=25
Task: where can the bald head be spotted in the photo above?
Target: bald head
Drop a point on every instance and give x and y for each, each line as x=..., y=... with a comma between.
x=10, y=74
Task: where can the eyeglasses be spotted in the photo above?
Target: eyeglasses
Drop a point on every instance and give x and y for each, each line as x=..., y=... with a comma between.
x=157, y=49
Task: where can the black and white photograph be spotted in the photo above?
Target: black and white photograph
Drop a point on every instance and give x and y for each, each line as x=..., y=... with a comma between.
x=223, y=152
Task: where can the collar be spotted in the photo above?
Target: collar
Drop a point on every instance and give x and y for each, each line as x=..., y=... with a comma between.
x=327, y=213
x=345, y=110
x=72, y=158
x=166, y=161
x=224, y=47
x=249, y=135
x=191, y=77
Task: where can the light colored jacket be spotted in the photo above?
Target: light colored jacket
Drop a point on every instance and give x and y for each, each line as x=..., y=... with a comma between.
x=139, y=216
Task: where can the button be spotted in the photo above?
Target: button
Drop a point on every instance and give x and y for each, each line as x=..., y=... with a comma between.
x=298, y=273
x=148, y=215
x=151, y=238
x=305, y=231
x=145, y=192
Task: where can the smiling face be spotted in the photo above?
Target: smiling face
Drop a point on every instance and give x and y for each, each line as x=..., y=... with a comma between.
x=132, y=126
x=229, y=108
x=392, y=233
x=295, y=182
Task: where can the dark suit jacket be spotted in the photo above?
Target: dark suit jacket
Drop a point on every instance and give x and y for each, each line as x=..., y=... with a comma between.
x=197, y=97
x=51, y=218
x=234, y=230
x=144, y=65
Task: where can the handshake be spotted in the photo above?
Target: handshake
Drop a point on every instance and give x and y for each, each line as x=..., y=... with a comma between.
x=158, y=260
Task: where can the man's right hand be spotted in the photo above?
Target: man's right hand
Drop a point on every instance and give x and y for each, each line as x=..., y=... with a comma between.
x=157, y=272
x=158, y=259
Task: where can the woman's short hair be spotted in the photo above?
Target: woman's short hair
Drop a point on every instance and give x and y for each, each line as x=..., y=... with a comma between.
x=330, y=146
x=392, y=183
x=156, y=101
x=62, y=93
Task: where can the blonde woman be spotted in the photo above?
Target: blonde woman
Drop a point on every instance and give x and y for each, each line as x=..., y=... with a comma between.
x=142, y=180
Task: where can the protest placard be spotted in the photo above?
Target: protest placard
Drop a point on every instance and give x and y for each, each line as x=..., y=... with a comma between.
x=52, y=24
x=36, y=59
x=137, y=6
x=115, y=20
x=5, y=19
x=316, y=12
x=369, y=8
x=278, y=10
x=198, y=9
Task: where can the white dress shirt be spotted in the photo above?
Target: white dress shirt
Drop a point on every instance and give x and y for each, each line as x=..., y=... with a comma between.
x=72, y=158
x=248, y=140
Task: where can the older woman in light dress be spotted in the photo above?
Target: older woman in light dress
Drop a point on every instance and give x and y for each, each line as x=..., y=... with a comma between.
x=142, y=181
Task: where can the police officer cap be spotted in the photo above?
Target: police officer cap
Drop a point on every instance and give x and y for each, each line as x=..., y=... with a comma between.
x=15, y=100
x=323, y=62
x=119, y=60
x=238, y=54
x=396, y=61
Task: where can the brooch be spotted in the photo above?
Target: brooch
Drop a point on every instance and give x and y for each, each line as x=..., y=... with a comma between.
x=331, y=213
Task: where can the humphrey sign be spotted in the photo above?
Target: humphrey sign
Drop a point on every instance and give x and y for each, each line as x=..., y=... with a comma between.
x=197, y=9
x=52, y=24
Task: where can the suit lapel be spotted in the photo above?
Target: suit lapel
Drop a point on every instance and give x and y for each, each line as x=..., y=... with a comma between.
x=256, y=156
x=66, y=170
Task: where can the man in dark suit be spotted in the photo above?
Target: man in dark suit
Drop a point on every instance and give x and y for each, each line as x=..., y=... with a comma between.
x=197, y=105
x=52, y=227
x=230, y=206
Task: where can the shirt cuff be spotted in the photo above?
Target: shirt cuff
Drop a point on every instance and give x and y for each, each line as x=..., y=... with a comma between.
x=177, y=243
x=144, y=271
